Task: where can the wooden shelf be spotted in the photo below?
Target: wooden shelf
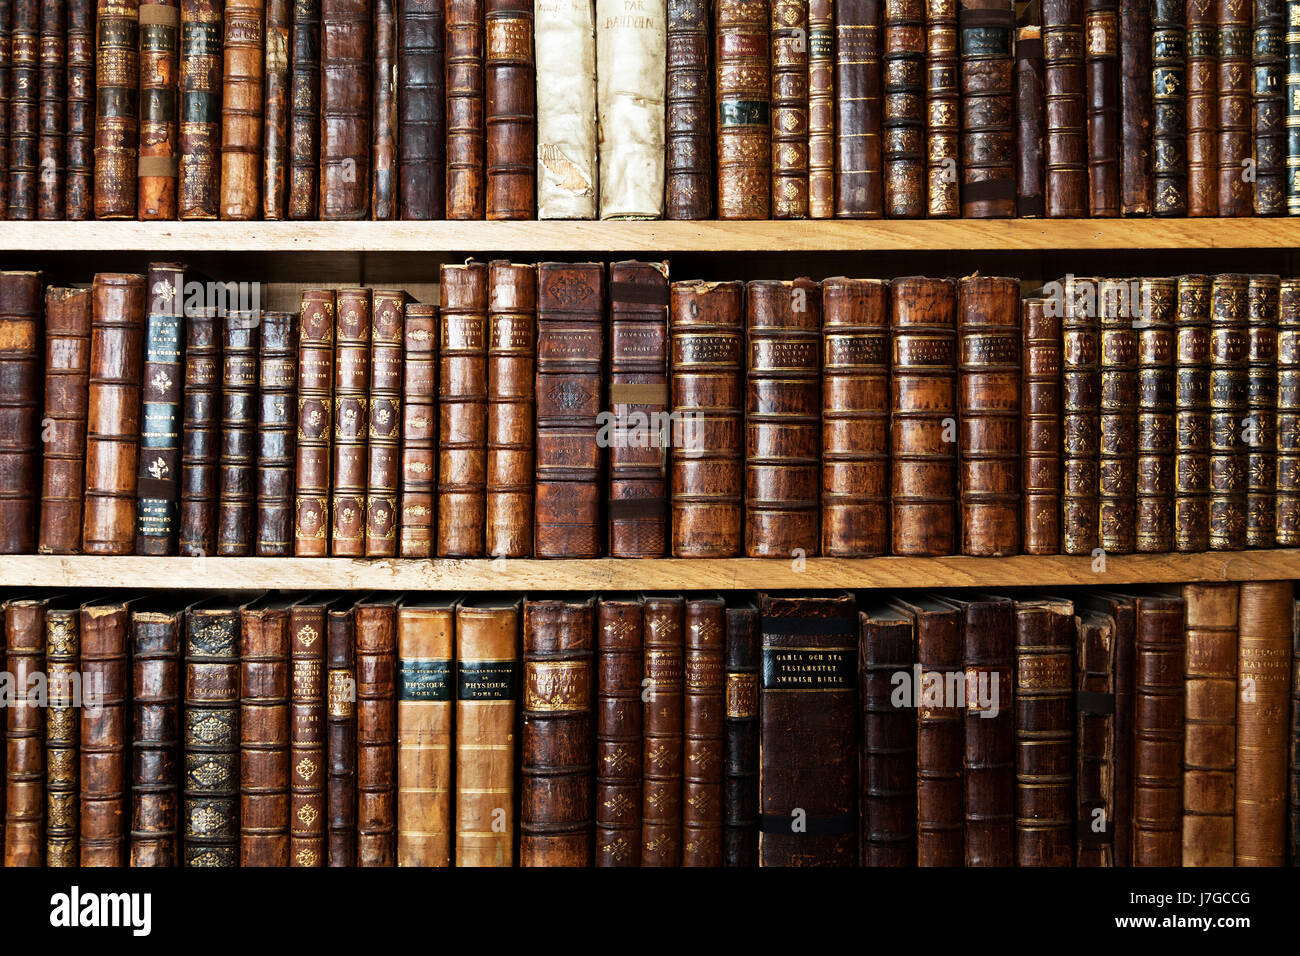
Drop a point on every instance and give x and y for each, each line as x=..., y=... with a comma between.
x=607, y=574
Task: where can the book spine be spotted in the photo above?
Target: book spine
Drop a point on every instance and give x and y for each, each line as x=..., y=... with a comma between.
x=200, y=434
x=241, y=333
x=276, y=424
x=511, y=351
x=859, y=153
x=80, y=155
x=989, y=659
x=21, y=335
x=903, y=146
x=1031, y=130
x=376, y=635
x=1192, y=416
x=688, y=147
x=105, y=752
x=740, y=740
x=1269, y=108
x=160, y=22
x=63, y=735
x=1135, y=106
x=510, y=95
x=1234, y=115
x=789, y=35
x=940, y=743
x=243, y=72
x=662, y=723
x=346, y=52
x=1080, y=415
x=264, y=737
x=1155, y=420
x=1040, y=400
x=462, y=395
x=200, y=110
x=1259, y=426
x=421, y=125
x=385, y=439
x=988, y=136
x=315, y=417
x=702, y=739
x=1229, y=355
x=466, y=175
x=67, y=385
x=160, y=429
x=1159, y=737
x=426, y=652
x=566, y=109
x=275, y=122
x=887, y=767
x=352, y=375
x=24, y=38
x=419, y=431
x=1117, y=450
x=5, y=49
x=341, y=737
x=117, y=116
x=743, y=91
x=1169, y=107
x=24, y=634
x=210, y=778
x=1293, y=107
x=1288, y=415
x=619, y=666
x=1066, y=142
x=1202, y=108
x=630, y=89
x=821, y=107
x=51, y=139
x=1096, y=720
x=308, y=628
x=1102, y=84
x=384, y=116
x=304, y=110
x=942, y=120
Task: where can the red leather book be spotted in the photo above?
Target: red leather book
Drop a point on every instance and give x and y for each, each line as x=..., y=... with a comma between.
x=351, y=418
x=385, y=439
x=702, y=740
x=619, y=669
x=419, y=431
x=511, y=375
x=67, y=388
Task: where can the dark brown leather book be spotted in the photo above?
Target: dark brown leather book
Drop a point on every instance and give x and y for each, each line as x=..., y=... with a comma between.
x=419, y=431
x=1080, y=414
x=1030, y=123
x=942, y=97
x=1269, y=107
x=789, y=24
x=466, y=175
x=199, y=182
x=345, y=109
x=117, y=117
x=1234, y=119
x=51, y=145
x=1288, y=414
x=1202, y=108
x=988, y=350
x=275, y=121
x=1259, y=428
x=308, y=629
x=462, y=395
x=808, y=753
x=63, y=732
x=304, y=109
x=859, y=116
x=67, y=387
x=4, y=101
x=1158, y=300
x=511, y=110
x=157, y=479
x=821, y=106
x=241, y=109
x=511, y=375
x=236, y=513
x=619, y=669
x=1135, y=104
x=1097, y=739
x=311, y=505
x=662, y=724
x=988, y=135
x=702, y=739
x=1158, y=732
x=422, y=110
x=570, y=357
x=105, y=751
x=1121, y=611
x=24, y=38
x=1044, y=720
x=160, y=22
x=923, y=405
x=1169, y=107
x=155, y=764
x=20, y=429
x=1102, y=69
x=264, y=643
x=1117, y=448
x=903, y=145
x=352, y=373
x=782, y=419
x=688, y=144
x=555, y=798
x=385, y=439
x=743, y=91
x=79, y=192
x=376, y=637
x=1040, y=436
x=638, y=402
x=740, y=739
x=113, y=417
x=24, y=810
x=1066, y=145
x=200, y=434
x=1229, y=356
x=707, y=373
x=276, y=425
x=1192, y=415
x=341, y=735
x=855, y=417
x=383, y=171
x=887, y=779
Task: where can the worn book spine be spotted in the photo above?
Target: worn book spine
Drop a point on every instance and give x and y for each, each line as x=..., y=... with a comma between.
x=511, y=372
x=565, y=54
x=1159, y=735
x=117, y=113
x=341, y=736
x=1135, y=105
x=1117, y=449
x=1096, y=736
x=243, y=69
x=160, y=22
x=24, y=769
x=346, y=57
x=942, y=110
x=619, y=666
x=385, y=439
x=308, y=628
x=5, y=47
x=1066, y=144
x=351, y=422
x=78, y=200
x=156, y=691
x=789, y=35
x=236, y=511
x=264, y=643
x=688, y=145
x=276, y=425
x=1287, y=499
x=743, y=92
x=210, y=774
x=462, y=394
x=859, y=153
x=821, y=107
x=199, y=179
x=702, y=738
x=1080, y=414
x=200, y=434
x=1268, y=106
x=1259, y=426
x=740, y=739
x=422, y=110
x=21, y=337
x=511, y=113
x=1202, y=108
x=1229, y=356
x=662, y=726
x=376, y=636
x=1234, y=114
x=903, y=145
x=384, y=113
x=157, y=480
x=988, y=135
x=304, y=110
x=275, y=121
x=1158, y=299
x=1169, y=107
x=1101, y=65
x=940, y=737
x=1292, y=107
x=419, y=431
x=63, y=734
x=51, y=139
x=1293, y=809
x=311, y=504
x=24, y=99
x=105, y=752
x=1040, y=437
x=1030, y=123
x=466, y=175
x=1192, y=415
x=630, y=90
x=887, y=762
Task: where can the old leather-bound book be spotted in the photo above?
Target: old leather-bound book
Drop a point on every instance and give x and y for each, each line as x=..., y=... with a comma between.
x=308, y=627
x=1287, y=503
x=740, y=739
x=199, y=181
x=345, y=109
x=1234, y=115
x=638, y=401
x=24, y=101
x=1117, y=447
x=1030, y=123
x=62, y=626
x=51, y=146
x=4, y=102
x=243, y=67
x=662, y=725
x=466, y=176
x=743, y=91
x=855, y=417
x=80, y=167
x=859, y=117
x=351, y=429
x=462, y=410
x=487, y=697
x=113, y=417
x=275, y=122
x=688, y=146
x=706, y=368
x=1202, y=108
x=419, y=430
x=264, y=646
x=117, y=118
x=157, y=479
x=422, y=110
x=341, y=735
x=385, y=439
x=1040, y=436
x=923, y=404
x=790, y=109
x=105, y=751
x=942, y=106
x=304, y=109
x=510, y=95
x=988, y=349
x=1169, y=107
x=384, y=121
x=1292, y=112
x=67, y=384
x=565, y=51
x=782, y=419
x=276, y=424
x=1192, y=415
x=619, y=666
x=200, y=434
x=315, y=424
x=988, y=135
x=887, y=763
x=1229, y=355
x=160, y=23
x=903, y=144
x=511, y=358
x=20, y=429
x=376, y=636
x=1101, y=65
x=1264, y=621
x=236, y=512
x=1096, y=739
x=1066, y=145
x=630, y=80
x=570, y=358
x=1080, y=414
x=426, y=653
x=808, y=753
x=821, y=107
x=1259, y=432
x=24, y=810
x=1113, y=831
x=702, y=739
x=1044, y=721
x=1159, y=739
x=1210, y=755
x=1155, y=419
x=1135, y=104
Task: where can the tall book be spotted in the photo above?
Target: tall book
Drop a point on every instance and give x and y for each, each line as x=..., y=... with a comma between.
x=1202, y=108
x=1287, y=500
x=345, y=57
x=942, y=107
x=466, y=177
x=105, y=752
x=740, y=739
x=264, y=645
x=1169, y=107
x=157, y=479
x=511, y=374
x=688, y=145
x=511, y=96
x=821, y=109
x=1040, y=437
x=1234, y=88
x=1259, y=429
x=304, y=109
x=619, y=669
x=159, y=128
x=1229, y=357
x=887, y=781
x=24, y=811
x=1292, y=108
x=277, y=423
x=200, y=434
x=462, y=394
x=236, y=511
x=117, y=117
x=419, y=430
x=1066, y=132
x=156, y=688
x=67, y=390
x=702, y=738
x=422, y=110
x=789, y=36
x=313, y=454
x=79, y=185
x=275, y=120
x=903, y=145
x=1192, y=416
x=352, y=373
x=1102, y=87
x=1135, y=104
x=1030, y=123
x=1268, y=107
x=383, y=114
x=1158, y=301
x=630, y=89
x=384, y=441
x=1159, y=732
x=1117, y=448
x=308, y=629
x=51, y=140
x=662, y=724
x=199, y=180
x=21, y=337
x=1096, y=734
x=742, y=67
x=859, y=153
x=341, y=735
x=63, y=734
x=376, y=637
x=1080, y=414
x=24, y=37
x=566, y=111
x=988, y=136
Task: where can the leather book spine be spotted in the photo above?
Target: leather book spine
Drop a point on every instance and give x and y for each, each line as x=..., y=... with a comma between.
x=783, y=418
x=1040, y=437
x=1169, y=107
x=557, y=742
x=707, y=382
x=304, y=110
x=384, y=113
x=155, y=764
x=113, y=418
x=24, y=810
x=662, y=724
x=160, y=22
x=1066, y=143
x=630, y=90
x=638, y=393
x=511, y=113
x=308, y=629
x=940, y=738
x=740, y=740
x=859, y=116
x=923, y=403
x=51, y=138
x=903, y=146
x=1287, y=497
x=385, y=439
x=1135, y=106
x=1292, y=107
x=243, y=72
x=1096, y=737
x=1101, y=65
x=619, y=666
x=352, y=374
x=277, y=418
x=688, y=144
x=376, y=635
x=199, y=178
x=236, y=513
x=419, y=431
x=264, y=735
x=345, y=142
x=1210, y=754
x=702, y=738
x=855, y=418
x=1269, y=108
x=462, y=410
x=21, y=337
x=821, y=106
x=1031, y=121
x=808, y=740
x=1234, y=118
x=67, y=386
x=313, y=454
x=1202, y=108
x=565, y=52
x=24, y=99
x=942, y=109
x=988, y=134
x=988, y=382
x=210, y=773
x=422, y=110
x=743, y=91
x=1229, y=356
x=341, y=737
x=426, y=653
x=275, y=122
x=487, y=698
x=1159, y=737
x=1155, y=419
x=1124, y=741
x=570, y=362
x=157, y=486
x=511, y=375
x=1264, y=621
x=1259, y=429
x=887, y=764
x=466, y=173
x=1117, y=450
x=117, y=115
x=80, y=165
x=62, y=737
x=1080, y=416
x=200, y=434
x=105, y=751
x=789, y=35
x=1192, y=415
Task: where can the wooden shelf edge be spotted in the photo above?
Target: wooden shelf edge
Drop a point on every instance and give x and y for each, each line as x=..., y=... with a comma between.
x=607, y=574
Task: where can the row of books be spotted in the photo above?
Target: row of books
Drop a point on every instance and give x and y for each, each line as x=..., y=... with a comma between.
x=820, y=729
x=747, y=109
